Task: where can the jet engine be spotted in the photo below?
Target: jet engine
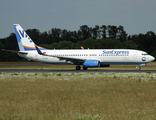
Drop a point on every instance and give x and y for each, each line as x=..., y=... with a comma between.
x=91, y=63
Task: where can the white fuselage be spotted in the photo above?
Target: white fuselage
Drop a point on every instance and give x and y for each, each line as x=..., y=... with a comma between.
x=105, y=56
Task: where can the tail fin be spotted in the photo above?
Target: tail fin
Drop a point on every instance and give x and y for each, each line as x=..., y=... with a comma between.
x=24, y=41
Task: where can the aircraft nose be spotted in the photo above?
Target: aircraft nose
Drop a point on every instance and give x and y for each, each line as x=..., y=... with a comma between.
x=151, y=58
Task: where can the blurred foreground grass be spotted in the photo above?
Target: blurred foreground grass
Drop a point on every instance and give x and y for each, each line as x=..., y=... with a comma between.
x=77, y=96
x=38, y=65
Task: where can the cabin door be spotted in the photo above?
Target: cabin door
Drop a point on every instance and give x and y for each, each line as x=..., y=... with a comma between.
x=135, y=56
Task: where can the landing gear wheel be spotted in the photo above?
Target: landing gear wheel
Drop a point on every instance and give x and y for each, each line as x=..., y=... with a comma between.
x=84, y=68
x=78, y=68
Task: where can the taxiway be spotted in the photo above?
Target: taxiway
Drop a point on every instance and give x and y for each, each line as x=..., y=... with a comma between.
x=54, y=70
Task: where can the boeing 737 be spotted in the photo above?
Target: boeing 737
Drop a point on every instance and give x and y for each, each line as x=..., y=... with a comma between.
x=87, y=58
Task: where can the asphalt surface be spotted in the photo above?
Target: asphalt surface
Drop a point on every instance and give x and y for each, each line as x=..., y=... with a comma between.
x=54, y=70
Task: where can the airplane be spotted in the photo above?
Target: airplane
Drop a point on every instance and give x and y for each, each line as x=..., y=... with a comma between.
x=88, y=58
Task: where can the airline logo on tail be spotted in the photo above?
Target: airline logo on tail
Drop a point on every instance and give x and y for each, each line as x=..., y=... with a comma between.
x=24, y=35
x=24, y=41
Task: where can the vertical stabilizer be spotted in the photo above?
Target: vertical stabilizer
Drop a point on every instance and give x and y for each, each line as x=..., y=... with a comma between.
x=24, y=41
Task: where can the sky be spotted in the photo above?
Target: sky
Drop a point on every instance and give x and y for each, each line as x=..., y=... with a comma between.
x=136, y=16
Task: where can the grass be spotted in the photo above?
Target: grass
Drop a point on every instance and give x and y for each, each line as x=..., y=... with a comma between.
x=37, y=65
x=77, y=96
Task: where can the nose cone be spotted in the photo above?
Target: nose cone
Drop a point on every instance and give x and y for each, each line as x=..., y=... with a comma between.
x=151, y=58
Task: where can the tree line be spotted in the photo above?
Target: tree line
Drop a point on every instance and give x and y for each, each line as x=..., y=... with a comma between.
x=98, y=37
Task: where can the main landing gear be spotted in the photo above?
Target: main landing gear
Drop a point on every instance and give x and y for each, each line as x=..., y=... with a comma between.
x=79, y=67
x=84, y=68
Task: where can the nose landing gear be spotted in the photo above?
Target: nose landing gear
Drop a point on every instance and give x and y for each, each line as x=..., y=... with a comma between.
x=138, y=67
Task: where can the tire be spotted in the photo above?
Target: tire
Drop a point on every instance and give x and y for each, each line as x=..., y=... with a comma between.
x=84, y=68
x=78, y=68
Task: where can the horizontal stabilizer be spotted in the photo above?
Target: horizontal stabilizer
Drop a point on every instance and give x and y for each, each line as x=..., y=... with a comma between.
x=13, y=51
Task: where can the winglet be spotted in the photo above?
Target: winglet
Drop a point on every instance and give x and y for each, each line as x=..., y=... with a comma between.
x=38, y=50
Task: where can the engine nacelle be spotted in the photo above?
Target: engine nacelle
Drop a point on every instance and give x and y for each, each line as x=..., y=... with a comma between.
x=91, y=63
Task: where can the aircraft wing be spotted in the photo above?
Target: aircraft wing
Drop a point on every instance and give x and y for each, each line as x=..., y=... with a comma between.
x=14, y=51
x=75, y=60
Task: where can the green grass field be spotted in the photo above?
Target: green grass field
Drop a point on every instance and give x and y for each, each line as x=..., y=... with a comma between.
x=77, y=96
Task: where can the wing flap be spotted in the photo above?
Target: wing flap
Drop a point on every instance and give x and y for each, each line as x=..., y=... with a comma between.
x=71, y=59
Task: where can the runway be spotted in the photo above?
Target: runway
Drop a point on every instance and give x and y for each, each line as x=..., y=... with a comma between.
x=69, y=71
